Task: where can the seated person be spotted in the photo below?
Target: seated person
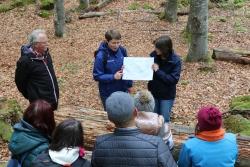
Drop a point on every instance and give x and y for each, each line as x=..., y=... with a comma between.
x=66, y=148
x=31, y=135
x=127, y=146
x=149, y=122
x=211, y=146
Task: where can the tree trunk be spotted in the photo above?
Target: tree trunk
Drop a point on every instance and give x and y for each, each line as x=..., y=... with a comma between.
x=94, y=122
x=84, y=4
x=198, y=49
x=235, y=56
x=59, y=20
x=171, y=11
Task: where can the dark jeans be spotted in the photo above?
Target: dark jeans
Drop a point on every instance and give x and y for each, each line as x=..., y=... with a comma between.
x=103, y=99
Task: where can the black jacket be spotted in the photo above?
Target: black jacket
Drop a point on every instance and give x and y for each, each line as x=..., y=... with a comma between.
x=163, y=85
x=35, y=77
x=131, y=148
x=44, y=160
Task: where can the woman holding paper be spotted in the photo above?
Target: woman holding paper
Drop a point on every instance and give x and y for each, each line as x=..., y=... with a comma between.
x=167, y=69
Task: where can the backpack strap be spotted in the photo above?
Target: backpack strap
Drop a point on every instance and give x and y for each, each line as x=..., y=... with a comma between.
x=105, y=55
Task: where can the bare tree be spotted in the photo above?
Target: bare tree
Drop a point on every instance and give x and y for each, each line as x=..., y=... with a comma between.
x=84, y=4
x=198, y=18
x=171, y=10
x=59, y=20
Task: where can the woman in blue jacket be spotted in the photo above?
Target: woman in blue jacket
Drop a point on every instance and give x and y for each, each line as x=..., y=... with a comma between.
x=108, y=66
x=31, y=135
x=167, y=69
x=211, y=146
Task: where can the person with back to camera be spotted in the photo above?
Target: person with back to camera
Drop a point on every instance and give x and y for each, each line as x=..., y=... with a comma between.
x=127, y=146
x=167, y=69
x=31, y=135
x=66, y=148
x=211, y=146
x=149, y=122
x=108, y=66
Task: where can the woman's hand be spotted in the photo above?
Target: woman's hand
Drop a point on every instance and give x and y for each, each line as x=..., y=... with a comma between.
x=118, y=75
x=155, y=67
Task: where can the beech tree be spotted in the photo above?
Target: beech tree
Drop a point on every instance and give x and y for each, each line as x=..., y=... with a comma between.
x=198, y=28
x=171, y=10
x=59, y=19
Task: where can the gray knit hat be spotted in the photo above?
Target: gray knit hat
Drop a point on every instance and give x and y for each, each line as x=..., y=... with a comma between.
x=144, y=101
x=120, y=107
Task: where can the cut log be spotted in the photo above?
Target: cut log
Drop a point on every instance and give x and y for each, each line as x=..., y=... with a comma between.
x=88, y=13
x=237, y=56
x=94, y=122
x=92, y=14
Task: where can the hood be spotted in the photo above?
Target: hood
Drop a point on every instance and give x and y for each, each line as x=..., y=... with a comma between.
x=65, y=156
x=25, y=138
x=26, y=50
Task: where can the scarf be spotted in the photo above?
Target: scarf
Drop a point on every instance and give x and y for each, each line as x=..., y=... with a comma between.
x=212, y=135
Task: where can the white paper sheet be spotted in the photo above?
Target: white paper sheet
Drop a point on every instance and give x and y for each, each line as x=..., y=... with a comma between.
x=138, y=68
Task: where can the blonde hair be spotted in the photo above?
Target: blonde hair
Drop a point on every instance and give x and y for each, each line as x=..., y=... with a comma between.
x=144, y=101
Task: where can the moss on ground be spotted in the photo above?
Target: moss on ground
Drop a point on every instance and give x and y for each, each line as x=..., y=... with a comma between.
x=240, y=103
x=5, y=131
x=237, y=124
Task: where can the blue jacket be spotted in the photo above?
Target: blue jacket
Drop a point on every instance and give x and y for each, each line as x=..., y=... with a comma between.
x=26, y=139
x=131, y=148
x=163, y=85
x=104, y=72
x=199, y=153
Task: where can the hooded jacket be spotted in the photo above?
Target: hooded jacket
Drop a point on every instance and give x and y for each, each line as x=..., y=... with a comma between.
x=104, y=72
x=28, y=141
x=163, y=85
x=64, y=157
x=35, y=77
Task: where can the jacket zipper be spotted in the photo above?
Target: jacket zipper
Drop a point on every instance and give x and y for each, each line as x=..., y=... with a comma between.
x=51, y=80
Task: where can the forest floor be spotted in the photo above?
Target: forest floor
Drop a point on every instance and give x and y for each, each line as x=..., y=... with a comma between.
x=73, y=54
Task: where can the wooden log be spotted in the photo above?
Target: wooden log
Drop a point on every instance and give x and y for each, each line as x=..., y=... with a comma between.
x=92, y=14
x=88, y=13
x=237, y=56
x=94, y=122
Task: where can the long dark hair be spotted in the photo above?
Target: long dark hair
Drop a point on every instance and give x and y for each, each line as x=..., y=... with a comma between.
x=40, y=115
x=164, y=44
x=68, y=133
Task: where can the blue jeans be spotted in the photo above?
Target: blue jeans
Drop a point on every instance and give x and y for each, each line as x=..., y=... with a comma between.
x=163, y=107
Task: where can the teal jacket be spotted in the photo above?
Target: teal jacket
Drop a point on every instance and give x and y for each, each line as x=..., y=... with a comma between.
x=27, y=141
x=200, y=153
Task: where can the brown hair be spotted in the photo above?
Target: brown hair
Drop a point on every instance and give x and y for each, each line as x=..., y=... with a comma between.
x=40, y=115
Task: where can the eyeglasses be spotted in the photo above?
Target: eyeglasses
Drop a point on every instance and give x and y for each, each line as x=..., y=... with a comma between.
x=43, y=42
